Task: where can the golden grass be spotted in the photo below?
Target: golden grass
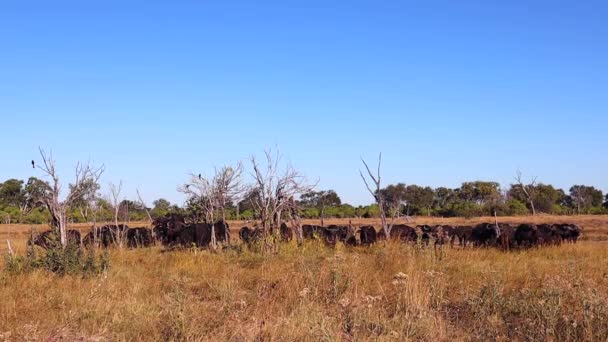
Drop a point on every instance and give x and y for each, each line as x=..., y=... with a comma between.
x=387, y=292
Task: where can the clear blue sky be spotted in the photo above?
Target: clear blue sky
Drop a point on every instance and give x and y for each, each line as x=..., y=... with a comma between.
x=449, y=91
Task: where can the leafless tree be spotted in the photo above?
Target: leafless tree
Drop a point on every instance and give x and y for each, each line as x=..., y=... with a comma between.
x=214, y=195
x=144, y=206
x=296, y=221
x=377, y=194
x=276, y=187
x=87, y=198
x=528, y=190
x=202, y=190
x=85, y=176
x=228, y=189
x=114, y=199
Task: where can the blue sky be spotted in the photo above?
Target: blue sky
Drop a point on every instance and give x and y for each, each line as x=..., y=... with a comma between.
x=449, y=91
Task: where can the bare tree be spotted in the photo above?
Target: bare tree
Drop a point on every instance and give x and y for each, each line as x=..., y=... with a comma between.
x=275, y=187
x=89, y=196
x=378, y=196
x=296, y=221
x=228, y=189
x=144, y=206
x=85, y=177
x=114, y=199
x=202, y=190
x=528, y=190
x=214, y=194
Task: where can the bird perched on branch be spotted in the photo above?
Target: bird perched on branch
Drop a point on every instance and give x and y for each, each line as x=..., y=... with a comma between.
x=33, y=165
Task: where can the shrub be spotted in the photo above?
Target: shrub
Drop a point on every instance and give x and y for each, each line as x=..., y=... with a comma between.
x=73, y=260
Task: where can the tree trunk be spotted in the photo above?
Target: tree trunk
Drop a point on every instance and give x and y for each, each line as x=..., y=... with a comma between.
x=385, y=227
x=322, y=212
x=532, y=206
x=227, y=229
x=213, y=239
x=63, y=236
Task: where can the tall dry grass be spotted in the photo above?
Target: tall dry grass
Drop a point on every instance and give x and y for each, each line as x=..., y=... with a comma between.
x=393, y=292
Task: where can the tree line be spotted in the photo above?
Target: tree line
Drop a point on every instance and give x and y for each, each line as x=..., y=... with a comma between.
x=21, y=202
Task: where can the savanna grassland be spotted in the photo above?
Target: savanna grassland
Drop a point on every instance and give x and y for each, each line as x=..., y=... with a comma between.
x=385, y=292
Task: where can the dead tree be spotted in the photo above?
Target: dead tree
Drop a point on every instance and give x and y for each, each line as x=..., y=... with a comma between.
x=214, y=194
x=528, y=190
x=228, y=189
x=114, y=199
x=275, y=186
x=144, y=206
x=296, y=220
x=85, y=177
x=378, y=197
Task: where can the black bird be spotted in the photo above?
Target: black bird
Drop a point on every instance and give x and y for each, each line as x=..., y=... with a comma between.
x=199, y=176
x=33, y=165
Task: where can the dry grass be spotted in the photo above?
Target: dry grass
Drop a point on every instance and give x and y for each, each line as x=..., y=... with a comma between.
x=392, y=292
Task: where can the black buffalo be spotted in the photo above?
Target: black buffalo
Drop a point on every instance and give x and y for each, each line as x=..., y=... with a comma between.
x=401, y=232
x=526, y=235
x=172, y=230
x=139, y=237
x=312, y=232
x=286, y=232
x=507, y=234
x=105, y=236
x=568, y=232
x=485, y=234
x=50, y=239
x=463, y=233
x=249, y=235
x=367, y=235
x=548, y=235
x=425, y=232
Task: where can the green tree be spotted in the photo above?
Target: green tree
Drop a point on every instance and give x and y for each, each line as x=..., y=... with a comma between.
x=161, y=208
x=12, y=193
x=248, y=203
x=82, y=204
x=544, y=196
x=35, y=190
x=444, y=196
x=419, y=200
x=479, y=192
x=583, y=197
x=393, y=197
x=320, y=200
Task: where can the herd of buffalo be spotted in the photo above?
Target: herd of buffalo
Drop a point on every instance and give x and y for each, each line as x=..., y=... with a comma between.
x=174, y=231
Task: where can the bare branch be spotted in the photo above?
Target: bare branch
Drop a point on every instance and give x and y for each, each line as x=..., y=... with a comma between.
x=143, y=204
x=86, y=181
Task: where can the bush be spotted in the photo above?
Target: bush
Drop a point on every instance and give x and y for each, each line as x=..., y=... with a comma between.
x=72, y=260
x=597, y=211
x=516, y=208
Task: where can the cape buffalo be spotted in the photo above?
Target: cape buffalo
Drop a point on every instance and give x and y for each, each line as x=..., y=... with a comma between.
x=311, y=232
x=526, y=235
x=463, y=233
x=507, y=232
x=105, y=236
x=485, y=234
x=139, y=237
x=548, y=235
x=568, y=232
x=172, y=230
x=367, y=235
x=401, y=232
x=249, y=235
x=50, y=239
x=286, y=233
